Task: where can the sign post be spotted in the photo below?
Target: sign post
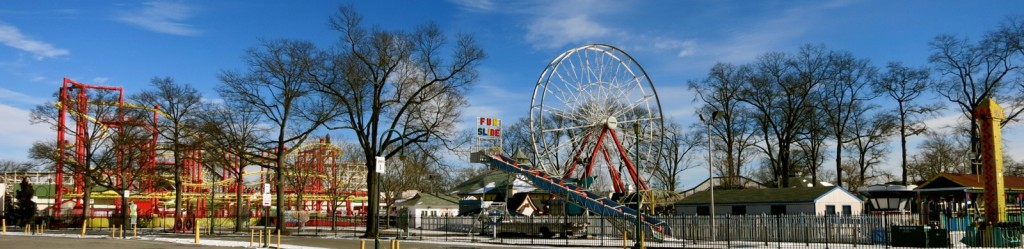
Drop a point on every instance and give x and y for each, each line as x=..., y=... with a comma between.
x=380, y=166
x=266, y=215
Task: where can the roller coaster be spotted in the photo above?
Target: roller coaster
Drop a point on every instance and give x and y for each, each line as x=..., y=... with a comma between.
x=88, y=115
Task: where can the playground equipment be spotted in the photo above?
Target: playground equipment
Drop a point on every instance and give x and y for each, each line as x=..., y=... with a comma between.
x=579, y=103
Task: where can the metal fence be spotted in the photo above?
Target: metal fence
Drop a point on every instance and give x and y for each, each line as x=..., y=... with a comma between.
x=730, y=231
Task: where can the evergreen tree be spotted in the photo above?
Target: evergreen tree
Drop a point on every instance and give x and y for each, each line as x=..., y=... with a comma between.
x=25, y=208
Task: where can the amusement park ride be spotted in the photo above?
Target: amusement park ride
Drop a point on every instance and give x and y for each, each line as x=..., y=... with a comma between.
x=316, y=168
x=580, y=103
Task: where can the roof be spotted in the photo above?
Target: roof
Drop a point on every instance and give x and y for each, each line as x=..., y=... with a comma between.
x=768, y=195
x=702, y=186
x=492, y=181
x=431, y=200
x=488, y=182
x=974, y=181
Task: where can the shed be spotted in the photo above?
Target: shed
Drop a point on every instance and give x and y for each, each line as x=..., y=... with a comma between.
x=806, y=200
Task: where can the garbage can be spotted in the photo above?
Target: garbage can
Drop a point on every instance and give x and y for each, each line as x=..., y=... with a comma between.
x=937, y=237
x=879, y=236
x=907, y=236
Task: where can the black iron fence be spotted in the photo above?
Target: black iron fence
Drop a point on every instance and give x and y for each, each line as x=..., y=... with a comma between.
x=723, y=231
x=726, y=231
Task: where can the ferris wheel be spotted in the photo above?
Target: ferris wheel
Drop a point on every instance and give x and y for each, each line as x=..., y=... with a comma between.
x=595, y=108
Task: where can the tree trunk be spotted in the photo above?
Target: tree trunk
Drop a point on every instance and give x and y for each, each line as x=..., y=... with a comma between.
x=86, y=197
x=280, y=190
x=239, y=183
x=839, y=162
x=371, y=210
x=903, y=147
x=177, y=192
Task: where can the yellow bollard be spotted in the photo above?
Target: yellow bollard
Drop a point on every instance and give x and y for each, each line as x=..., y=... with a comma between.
x=135, y=233
x=83, y=227
x=196, y=229
x=112, y=230
x=278, y=238
x=26, y=229
x=5, y=225
x=120, y=230
x=251, y=235
x=398, y=244
x=362, y=244
x=624, y=236
x=261, y=237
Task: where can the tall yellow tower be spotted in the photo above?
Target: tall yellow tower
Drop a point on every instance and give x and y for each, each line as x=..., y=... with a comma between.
x=989, y=115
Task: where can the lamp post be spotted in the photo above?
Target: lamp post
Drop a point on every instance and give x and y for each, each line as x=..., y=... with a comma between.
x=53, y=200
x=711, y=175
x=638, y=242
x=380, y=173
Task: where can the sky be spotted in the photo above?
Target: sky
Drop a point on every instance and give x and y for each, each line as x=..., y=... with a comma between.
x=127, y=43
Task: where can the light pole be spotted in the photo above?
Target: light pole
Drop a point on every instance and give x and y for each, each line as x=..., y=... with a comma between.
x=638, y=232
x=711, y=175
x=376, y=203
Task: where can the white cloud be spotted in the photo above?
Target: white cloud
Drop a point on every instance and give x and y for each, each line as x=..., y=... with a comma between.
x=11, y=97
x=19, y=134
x=764, y=35
x=475, y=5
x=12, y=37
x=163, y=17
x=100, y=80
x=551, y=32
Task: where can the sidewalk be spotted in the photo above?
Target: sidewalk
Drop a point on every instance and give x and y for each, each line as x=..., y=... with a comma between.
x=99, y=240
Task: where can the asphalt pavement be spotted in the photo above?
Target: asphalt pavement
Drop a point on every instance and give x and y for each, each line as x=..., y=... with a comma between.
x=67, y=239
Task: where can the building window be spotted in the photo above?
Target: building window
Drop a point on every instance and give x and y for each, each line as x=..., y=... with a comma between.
x=703, y=211
x=739, y=210
x=847, y=210
x=830, y=210
x=778, y=209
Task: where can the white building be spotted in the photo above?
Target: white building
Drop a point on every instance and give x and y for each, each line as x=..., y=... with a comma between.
x=429, y=205
x=827, y=200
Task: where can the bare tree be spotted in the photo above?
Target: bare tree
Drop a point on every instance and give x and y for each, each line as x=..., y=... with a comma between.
x=130, y=148
x=847, y=88
x=734, y=131
x=811, y=138
x=904, y=85
x=515, y=138
x=179, y=104
x=868, y=142
x=777, y=90
x=95, y=139
x=676, y=156
x=277, y=86
x=973, y=73
x=939, y=153
x=12, y=166
x=395, y=88
x=232, y=135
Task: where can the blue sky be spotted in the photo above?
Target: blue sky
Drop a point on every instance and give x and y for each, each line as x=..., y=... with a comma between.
x=126, y=43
